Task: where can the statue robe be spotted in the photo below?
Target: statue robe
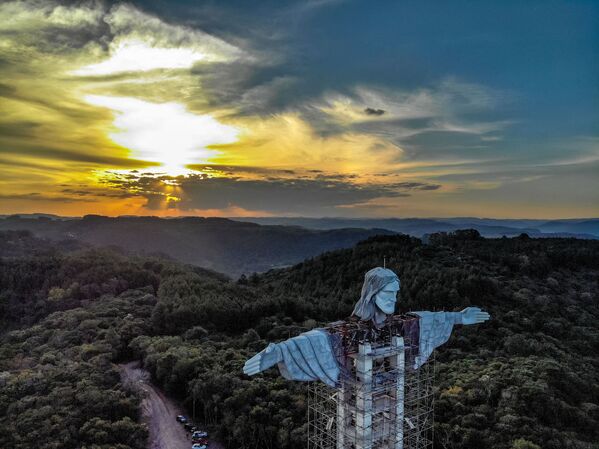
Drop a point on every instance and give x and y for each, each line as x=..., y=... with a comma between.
x=310, y=356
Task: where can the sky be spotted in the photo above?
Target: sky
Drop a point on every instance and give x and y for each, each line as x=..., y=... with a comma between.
x=307, y=108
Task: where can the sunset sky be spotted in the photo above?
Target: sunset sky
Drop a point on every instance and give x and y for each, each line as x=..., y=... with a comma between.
x=313, y=108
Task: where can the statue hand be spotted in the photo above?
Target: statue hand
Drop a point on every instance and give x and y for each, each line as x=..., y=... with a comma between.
x=474, y=315
x=263, y=360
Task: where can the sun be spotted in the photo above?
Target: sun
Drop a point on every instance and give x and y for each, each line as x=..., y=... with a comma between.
x=165, y=133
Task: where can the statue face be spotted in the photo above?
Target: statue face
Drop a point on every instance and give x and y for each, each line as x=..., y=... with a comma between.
x=387, y=297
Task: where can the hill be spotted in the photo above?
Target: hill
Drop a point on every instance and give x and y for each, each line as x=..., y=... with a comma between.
x=220, y=244
x=526, y=379
x=418, y=227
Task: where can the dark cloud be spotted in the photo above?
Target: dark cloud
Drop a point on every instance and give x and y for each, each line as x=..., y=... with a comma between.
x=35, y=196
x=299, y=195
x=84, y=192
x=371, y=111
x=18, y=128
x=6, y=90
x=414, y=186
x=275, y=194
x=338, y=176
x=430, y=187
x=232, y=169
x=72, y=156
x=156, y=201
x=248, y=88
x=72, y=109
x=27, y=164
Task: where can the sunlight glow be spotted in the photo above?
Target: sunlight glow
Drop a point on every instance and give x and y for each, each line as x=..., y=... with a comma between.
x=137, y=56
x=166, y=133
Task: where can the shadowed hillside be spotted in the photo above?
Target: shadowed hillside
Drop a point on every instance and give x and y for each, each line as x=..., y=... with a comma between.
x=220, y=244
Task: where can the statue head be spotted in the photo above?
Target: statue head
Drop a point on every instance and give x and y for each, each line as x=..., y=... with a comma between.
x=379, y=294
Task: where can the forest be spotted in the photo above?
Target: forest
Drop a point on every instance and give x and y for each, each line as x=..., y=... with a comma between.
x=69, y=314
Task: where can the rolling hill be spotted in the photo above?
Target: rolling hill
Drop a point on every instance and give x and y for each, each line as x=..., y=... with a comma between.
x=220, y=244
x=418, y=227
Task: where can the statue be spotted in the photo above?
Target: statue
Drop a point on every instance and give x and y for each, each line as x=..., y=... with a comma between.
x=312, y=356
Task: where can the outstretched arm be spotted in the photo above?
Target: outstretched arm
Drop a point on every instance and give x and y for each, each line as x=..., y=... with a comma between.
x=266, y=358
x=436, y=327
x=308, y=356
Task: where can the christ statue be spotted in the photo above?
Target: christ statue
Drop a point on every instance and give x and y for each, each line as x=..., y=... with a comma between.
x=315, y=355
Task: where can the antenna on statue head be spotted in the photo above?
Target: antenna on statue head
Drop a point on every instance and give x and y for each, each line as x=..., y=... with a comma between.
x=384, y=261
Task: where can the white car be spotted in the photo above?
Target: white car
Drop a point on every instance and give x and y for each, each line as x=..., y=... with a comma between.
x=199, y=446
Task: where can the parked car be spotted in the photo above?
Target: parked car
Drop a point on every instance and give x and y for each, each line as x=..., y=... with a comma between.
x=189, y=427
x=199, y=446
x=199, y=434
x=182, y=419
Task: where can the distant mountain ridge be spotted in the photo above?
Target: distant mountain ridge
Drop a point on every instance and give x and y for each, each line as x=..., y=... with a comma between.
x=246, y=245
x=227, y=246
x=586, y=228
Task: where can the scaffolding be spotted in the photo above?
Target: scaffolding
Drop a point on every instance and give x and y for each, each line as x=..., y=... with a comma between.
x=381, y=401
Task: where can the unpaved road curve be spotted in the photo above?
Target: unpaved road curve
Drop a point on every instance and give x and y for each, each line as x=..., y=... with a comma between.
x=159, y=412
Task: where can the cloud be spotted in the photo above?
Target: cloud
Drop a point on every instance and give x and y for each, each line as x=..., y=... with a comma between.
x=140, y=42
x=19, y=162
x=65, y=59
x=129, y=23
x=138, y=56
x=440, y=104
x=231, y=170
x=35, y=196
x=66, y=156
x=247, y=88
x=415, y=186
x=371, y=111
x=251, y=115
x=109, y=31
x=225, y=103
x=32, y=16
x=87, y=192
x=266, y=97
x=288, y=141
x=444, y=120
x=582, y=150
x=19, y=128
x=291, y=194
x=281, y=195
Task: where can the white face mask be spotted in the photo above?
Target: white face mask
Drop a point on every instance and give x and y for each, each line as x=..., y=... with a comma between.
x=387, y=297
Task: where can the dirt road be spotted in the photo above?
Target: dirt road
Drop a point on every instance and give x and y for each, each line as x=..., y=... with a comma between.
x=159, y=412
